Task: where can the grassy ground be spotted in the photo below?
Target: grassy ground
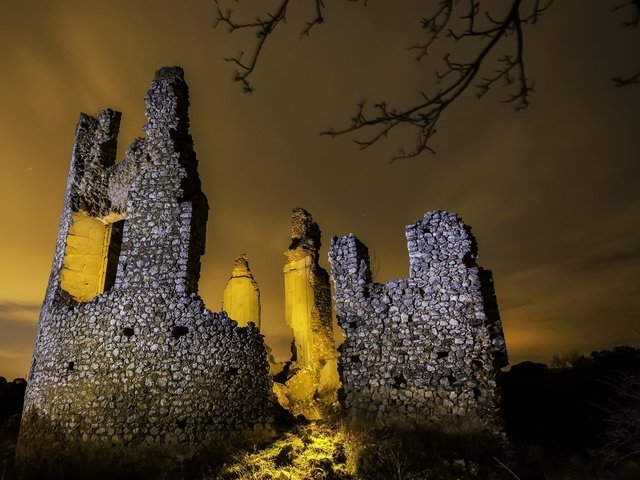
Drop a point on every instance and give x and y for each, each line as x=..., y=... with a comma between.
x=575, y=422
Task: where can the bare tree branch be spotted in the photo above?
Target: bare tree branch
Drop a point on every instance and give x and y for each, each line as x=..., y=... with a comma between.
x=632, y=22
x=624, y=81
x=497, y=36
x=457, y=76
x=263, y=28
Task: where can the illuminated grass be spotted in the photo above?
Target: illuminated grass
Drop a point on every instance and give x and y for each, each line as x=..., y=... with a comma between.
x=312, y=451
x=348, y=451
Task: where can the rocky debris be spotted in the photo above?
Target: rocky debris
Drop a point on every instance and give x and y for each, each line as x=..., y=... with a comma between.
x=424, y=349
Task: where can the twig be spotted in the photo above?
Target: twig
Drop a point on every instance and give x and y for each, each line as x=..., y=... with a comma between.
x=506, y=468
x=424, y=116
x=459, y=20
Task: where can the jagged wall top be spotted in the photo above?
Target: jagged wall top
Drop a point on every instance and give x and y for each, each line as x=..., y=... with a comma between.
x=142, y=366
x=305, y=232
x=166, y=210
x=438, y=241
x=437, y=333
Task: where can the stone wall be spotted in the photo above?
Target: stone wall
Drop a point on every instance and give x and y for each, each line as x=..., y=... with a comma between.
x=425, y=349
x=128, y=360
x=143, y=366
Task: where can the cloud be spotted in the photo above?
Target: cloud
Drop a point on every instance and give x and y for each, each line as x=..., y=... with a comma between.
x=611, y=257
x=17, y=336
x=11, y=354
x=19, y=312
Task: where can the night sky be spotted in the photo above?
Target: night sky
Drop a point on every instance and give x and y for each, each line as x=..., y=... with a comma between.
x=551, y=193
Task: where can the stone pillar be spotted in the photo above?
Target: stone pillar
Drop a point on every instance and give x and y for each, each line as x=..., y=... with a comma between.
x=307, y=294
x=313, y=378
x=241, y=298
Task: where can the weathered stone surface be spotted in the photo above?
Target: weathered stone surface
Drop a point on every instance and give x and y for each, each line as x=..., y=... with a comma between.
x=241, y=296
x=128, y=360
x=143, y=365
x=308, y=313
x=420, y=350
x=307, y=294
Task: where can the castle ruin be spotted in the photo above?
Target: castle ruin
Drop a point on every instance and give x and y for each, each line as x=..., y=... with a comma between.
x=126, y=353
x=129, y=360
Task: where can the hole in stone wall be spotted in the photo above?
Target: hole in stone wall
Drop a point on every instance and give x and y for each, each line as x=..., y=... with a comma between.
x=469, y=260
x=182, y=424
x=355, y=358
x=353, y=324
x=442, y=354
x=452, y=379
x=233, y=371
x=178, y=331
x=476, y=393
x=399, y=381
x=127, y=331
x=71, y=366
x=476, y=362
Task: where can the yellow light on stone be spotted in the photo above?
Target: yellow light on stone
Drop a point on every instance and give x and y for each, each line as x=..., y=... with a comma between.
x=299, y=301
x=241, y=297
x=85, y=258
x=313, y=378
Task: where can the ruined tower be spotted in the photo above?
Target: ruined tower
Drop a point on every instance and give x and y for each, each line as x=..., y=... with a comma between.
x=128, y=359
x=421, y=350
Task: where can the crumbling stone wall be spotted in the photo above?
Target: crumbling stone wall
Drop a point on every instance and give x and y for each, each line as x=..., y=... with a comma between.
x=144, y=366
x=312, y=374
x=425, y=349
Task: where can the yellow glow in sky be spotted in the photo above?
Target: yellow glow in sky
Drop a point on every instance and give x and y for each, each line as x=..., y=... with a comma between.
x=550, y=192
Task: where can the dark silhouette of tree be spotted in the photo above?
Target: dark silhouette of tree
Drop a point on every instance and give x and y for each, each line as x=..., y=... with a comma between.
x=489, y=30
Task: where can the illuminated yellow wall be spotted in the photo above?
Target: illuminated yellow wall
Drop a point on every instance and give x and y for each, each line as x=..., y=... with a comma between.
x=241, y=297
x=299, y=300
x=85, y=257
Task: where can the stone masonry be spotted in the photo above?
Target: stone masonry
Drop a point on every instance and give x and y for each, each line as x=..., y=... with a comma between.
x=128, y=359
x=130, y=365
x=312, y=381
x=307, y=294
x=422, y=350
